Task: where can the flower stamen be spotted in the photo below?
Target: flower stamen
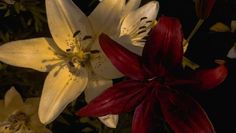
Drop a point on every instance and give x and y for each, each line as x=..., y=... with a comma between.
x=17, y=122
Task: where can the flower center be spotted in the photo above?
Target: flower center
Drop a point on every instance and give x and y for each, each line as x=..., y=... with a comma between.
x=78, y=53
x=17, y=122
x=160, y=79
x=78, y=58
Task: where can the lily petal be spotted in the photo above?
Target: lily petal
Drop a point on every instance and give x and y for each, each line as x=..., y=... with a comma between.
x=13, y=99
x=120, y=56
x=37, y=125
x=126, y=42
x=106, y=16
x=182, y=113
x=131, y=6
x=145, y=116
x=164, y=46
x=63, y=24
x=36, y=53
x=32, y=105
x=137, y=24
x=232, y=52
x=110, y=120
x=101, y=64
x=120, y=98
x=210, y=78
x=61, y=87
x=203, y=8
x=95, y=87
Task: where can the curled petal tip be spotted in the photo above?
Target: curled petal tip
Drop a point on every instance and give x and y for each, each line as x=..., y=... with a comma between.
x=211, y=78
x=109, y=120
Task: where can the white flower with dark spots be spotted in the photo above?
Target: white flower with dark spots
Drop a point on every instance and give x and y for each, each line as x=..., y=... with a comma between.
x=18, y=116
x=73, y=57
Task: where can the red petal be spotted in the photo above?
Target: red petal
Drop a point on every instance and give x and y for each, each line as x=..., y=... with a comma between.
x=164, y=47
x=182, y=113
x=125, y=61
x=122, y=97
x=210, y=78
x=203, y=8
x=181, y=82
x=145, y=116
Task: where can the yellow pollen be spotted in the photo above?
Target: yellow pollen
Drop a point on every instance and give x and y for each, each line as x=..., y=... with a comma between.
x=80, y=55
x=154, y=23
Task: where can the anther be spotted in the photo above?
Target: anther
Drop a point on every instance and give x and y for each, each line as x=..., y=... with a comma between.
x=76, y=33
x=68, y=50
x=142, y=27
x=149, y=21
x=141, y=40
x=94, y=51
x=145, y=38
x=142, y=31
x=87, y=37
x=143, y=18
x=71, y=64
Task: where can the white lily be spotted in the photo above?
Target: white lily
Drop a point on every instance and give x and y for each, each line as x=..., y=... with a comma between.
x=73, y=57
x=17, y=116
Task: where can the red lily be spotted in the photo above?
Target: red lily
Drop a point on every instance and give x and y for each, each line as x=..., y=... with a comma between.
x=151, y=84
x=203, y=8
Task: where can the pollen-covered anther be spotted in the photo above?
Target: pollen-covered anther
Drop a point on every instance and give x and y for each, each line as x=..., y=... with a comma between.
x=143, y=26
x=76, y=33
x=143, y=18
x=87, y=37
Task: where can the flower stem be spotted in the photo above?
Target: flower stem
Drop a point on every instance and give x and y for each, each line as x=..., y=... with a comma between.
x=197, y=26
x=187, y=62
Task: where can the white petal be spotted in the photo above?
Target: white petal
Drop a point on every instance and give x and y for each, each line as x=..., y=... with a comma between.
x=31, y=105
x=102, y=65
x=37, y=126
x=32, y=53
x=106, y=16
x=65, y=19
x=126, y=42
x=110, y=120
x=137, y=23
x=61, y=87
x=233, y=25
x=13, y=99
x=96, y=85
x=232, y=52
x=131, y=5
